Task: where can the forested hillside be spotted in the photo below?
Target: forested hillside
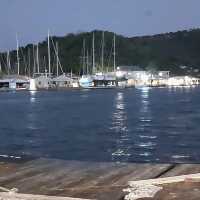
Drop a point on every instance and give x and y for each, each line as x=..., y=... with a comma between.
x=178, y=52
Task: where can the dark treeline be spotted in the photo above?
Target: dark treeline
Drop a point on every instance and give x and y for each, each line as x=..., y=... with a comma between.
x=167, y=51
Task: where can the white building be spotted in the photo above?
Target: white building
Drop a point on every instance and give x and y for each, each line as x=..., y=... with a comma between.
x=14, y=82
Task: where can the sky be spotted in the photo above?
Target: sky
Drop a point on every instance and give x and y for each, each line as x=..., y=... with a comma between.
x=31, y=19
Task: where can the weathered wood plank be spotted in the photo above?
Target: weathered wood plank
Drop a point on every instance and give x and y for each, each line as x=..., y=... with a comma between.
x=84, y=179
x=16, y=196
x=182, y=169
x=143, y=171
x=78, y=179
x=7, y=168
x=79, y=174
x=166, y=180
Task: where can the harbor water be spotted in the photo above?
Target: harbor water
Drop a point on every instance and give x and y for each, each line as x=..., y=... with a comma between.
x=160, y=125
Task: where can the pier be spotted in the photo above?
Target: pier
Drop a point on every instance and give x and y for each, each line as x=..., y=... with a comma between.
x=86, y=180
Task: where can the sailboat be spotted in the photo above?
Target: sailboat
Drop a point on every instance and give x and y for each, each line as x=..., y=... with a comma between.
x=41, y=80
x=16, y=81
x=100, y=79
x=86, y=81
x=104, y=79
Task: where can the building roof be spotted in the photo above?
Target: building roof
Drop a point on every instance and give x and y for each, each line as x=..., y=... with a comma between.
x=62, y=78
x=16, y=77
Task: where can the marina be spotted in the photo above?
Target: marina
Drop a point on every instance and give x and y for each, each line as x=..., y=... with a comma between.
x=99, y=100
x=119, y=79
x=93, y=74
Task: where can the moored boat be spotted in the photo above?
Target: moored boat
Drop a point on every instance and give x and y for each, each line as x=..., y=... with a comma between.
x=86, y=81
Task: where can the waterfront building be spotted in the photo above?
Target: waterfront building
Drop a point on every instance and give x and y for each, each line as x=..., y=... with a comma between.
x=14, y=82
x=104, y=80
x=62, y=81
x=183, y=81
x=136, y=76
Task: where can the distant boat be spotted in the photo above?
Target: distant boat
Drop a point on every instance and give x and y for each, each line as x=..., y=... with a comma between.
x=86, y=81
x=107, y=79
x=98, y=80
x=41, y=80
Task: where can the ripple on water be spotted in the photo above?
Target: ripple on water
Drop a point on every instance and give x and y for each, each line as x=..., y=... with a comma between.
x=9, y=156
x=120, y=152
x=145, y=154
x=145, y=120
x=148, y=136
x=180, y=158
x=146, y=144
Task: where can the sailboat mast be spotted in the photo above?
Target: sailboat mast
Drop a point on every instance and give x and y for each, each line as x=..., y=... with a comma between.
x=0, y=67
x=102, y=52
x=17, y=55
x=8, y=62
x=45, y=64
x=87, y=58
x=38, y=63
x=33, y=59
x=93, y=54
x=49, y=58
x=114, y=53
x=57, y=58
x=84, y=56
x=29, y=62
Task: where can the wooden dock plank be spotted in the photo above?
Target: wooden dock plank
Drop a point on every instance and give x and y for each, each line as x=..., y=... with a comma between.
x=91, y=180
x=166, y=180
x=183, y=169
x=130, y=171
x=16, y=196
x=7, y=168
x=78, y=179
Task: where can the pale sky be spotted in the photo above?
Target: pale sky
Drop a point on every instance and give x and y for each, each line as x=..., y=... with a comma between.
x=31, y=19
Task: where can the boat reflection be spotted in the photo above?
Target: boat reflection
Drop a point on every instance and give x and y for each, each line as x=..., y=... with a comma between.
x=32, y=96
x=31, y=115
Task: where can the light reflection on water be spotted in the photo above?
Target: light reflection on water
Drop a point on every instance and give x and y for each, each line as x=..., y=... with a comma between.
x=144, y=103
x=119, y=115
x=146, y=140
x=31, y=115
x=32, y=96
x=119, y=126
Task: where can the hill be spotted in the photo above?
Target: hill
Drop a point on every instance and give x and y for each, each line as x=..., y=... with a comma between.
x=178, y=52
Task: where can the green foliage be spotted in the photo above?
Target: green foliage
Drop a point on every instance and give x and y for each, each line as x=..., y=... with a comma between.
x=160, y=52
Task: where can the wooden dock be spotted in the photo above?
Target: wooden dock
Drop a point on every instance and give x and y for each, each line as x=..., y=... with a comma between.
x=88, y=180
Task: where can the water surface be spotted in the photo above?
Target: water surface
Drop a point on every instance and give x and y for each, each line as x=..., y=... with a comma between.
x=120, y=125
